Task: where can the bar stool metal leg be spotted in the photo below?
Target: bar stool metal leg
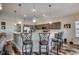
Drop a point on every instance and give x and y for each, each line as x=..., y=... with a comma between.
x=40, y=49
x=47, y=49
x=23, y=49
x=31, y=48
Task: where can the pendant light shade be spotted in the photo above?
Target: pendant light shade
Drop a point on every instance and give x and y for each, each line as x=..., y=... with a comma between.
x=34, y=14
x=0, y=6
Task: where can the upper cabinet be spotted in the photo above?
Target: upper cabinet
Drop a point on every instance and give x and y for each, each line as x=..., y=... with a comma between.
x=56, y=25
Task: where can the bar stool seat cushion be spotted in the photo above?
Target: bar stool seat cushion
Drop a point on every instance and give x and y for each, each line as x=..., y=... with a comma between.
x=27, y=42
x=43, y=42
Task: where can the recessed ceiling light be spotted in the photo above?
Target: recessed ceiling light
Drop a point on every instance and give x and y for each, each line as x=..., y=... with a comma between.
x=19, y=22
x=50, y=5
x=34, y=21
x=44, y=15
x=15, y=24
x=19, y=4
x=25, y=15
x=50, y=22
x=34, y=10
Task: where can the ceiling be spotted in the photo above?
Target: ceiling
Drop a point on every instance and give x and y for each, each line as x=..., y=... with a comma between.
x=49, y=10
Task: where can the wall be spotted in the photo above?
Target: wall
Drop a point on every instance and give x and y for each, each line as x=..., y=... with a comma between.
x=10, y=21
x=10, y=27
x=68, y=33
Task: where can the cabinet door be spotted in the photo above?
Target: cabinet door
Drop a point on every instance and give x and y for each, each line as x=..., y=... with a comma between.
x=56, y=25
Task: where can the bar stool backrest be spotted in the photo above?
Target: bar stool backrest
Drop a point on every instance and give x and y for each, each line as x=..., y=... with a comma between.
x=44, y=36
x=59, y=35
x=26, y=36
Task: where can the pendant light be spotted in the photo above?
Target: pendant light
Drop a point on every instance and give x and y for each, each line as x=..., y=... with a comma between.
x=15, y=17
x=20, y=5
x=34, y=12
x=50, y=12
x=50, y=16
x=20, y=21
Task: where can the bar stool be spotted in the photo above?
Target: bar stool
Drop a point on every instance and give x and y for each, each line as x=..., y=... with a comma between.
x=27, y=40
x=57, y=42
x=44, y=41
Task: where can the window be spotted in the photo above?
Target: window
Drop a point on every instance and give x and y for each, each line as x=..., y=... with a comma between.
x=77, y=28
